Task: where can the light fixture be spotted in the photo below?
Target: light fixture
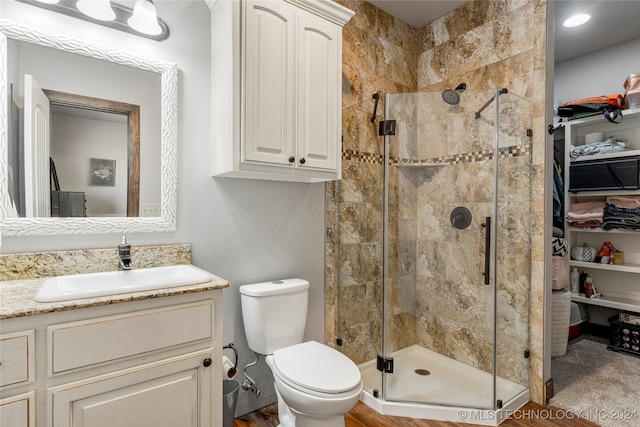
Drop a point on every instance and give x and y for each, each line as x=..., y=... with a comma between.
x=97, y=9
x=576, y=20
x=145, y=18
x=146, y=25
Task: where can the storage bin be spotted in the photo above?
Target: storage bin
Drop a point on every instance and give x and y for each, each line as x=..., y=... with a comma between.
x=619, y=174
x=632, y=94
x=578, y=317
x=624, y=337
x=633, y=100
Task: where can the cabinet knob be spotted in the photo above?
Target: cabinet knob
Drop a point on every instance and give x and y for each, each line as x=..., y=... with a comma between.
x=206, y=362
x=292, y=159
x=302, y=160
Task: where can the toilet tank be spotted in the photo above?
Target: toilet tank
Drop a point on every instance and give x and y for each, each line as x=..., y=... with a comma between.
x=274, y=313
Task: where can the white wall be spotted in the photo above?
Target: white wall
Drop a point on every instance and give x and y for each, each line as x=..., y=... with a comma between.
x=76, y=140
x=599, y=73
x=244, y=231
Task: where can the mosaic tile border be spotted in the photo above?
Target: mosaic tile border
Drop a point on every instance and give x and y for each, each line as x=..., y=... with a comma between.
x=474, y=156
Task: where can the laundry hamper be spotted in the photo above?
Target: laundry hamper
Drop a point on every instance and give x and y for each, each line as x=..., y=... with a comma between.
x=560, y=317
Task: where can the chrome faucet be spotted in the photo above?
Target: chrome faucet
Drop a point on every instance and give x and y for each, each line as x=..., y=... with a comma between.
x=124, y=253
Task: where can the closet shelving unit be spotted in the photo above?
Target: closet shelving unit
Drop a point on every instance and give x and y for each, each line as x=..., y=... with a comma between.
x=619, y=283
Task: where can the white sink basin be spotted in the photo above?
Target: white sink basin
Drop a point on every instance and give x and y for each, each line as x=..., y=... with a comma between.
x=76, y=286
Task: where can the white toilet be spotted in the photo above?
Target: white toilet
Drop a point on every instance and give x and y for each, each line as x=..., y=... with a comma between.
x=315, y=384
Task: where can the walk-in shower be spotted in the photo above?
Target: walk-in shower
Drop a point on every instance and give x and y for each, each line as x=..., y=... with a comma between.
x=432, y=254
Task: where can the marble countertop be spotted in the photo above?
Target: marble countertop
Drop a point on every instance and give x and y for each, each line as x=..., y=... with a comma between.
x=16, y=297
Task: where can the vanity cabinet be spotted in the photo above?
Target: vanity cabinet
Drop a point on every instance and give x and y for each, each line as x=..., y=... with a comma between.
x=276, y=89
x=147, y=362
x=619, y=283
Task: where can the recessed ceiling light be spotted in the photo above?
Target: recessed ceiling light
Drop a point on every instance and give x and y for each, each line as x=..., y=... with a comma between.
x=577, y=20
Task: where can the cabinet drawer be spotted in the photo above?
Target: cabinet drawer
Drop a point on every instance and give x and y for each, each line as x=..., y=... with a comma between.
x=17, y=358
x=85, y=343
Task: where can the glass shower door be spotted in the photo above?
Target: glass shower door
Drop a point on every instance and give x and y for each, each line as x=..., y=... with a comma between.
x=448, y=275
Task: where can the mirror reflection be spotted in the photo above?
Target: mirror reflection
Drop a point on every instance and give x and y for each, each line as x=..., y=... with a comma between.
x=84, y=135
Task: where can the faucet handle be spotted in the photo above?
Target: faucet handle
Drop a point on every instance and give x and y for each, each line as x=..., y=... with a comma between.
x=124, y=239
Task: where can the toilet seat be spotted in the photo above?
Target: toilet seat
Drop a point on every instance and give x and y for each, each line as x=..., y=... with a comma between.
x=316, y=368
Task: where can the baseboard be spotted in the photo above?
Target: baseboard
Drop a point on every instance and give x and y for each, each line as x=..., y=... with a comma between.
x=548, y=390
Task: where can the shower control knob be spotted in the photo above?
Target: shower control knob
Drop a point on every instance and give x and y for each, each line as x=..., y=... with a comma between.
x=302, y=160
x=292, y=159
x=206, y=362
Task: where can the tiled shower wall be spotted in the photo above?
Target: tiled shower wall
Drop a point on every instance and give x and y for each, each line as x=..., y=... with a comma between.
x=486, y=43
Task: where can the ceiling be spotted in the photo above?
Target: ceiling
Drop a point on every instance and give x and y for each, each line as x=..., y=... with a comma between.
x=612, y=21
x=417, y=13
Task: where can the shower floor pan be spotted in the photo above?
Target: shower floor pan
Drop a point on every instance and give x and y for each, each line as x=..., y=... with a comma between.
x=448, y=391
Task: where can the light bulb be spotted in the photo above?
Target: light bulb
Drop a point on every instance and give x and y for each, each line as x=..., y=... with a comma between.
x=576, y=20
x=145, y=18
x=97, y=9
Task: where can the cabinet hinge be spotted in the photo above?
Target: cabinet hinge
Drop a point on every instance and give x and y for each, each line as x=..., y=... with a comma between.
x=387, y=127
x=526, y=354
x=339, y=342
x=529, y=133
x=385, y=364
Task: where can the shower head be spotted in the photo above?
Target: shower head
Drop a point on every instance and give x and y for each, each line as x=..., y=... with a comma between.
x=452, y=96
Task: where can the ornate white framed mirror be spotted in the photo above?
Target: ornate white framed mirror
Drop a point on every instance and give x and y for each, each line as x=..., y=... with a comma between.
x=16, y=221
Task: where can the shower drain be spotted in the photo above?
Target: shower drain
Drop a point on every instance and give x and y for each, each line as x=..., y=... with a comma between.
x=422, y=372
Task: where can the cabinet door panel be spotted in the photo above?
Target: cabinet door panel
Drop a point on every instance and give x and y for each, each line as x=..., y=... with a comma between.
x=16, y=358
x=269, y=82
x=176, y=392
x=318, y=92
x=18, y=411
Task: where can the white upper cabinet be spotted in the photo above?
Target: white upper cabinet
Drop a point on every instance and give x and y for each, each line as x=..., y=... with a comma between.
x=276, y=100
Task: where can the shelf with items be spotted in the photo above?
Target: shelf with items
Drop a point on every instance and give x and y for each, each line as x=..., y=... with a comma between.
x=619, y=284
x=628, y=153
x=602, y=230
x=625, y=268
x=628, y=130
x=617, y=303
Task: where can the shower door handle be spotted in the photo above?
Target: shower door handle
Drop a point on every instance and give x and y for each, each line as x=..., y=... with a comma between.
x=487, y=248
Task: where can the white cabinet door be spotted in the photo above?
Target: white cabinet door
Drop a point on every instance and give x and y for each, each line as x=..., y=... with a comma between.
x=169, y=393
x=269, y=82
x=276, y=76
x=318, y=96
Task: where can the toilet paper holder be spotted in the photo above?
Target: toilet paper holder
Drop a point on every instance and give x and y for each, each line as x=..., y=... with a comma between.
x=233, y=370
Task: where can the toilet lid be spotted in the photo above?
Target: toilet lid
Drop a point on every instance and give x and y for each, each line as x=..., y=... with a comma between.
x=315, y=366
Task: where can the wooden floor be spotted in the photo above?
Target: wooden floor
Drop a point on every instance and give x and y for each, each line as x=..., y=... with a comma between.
x=529, y=415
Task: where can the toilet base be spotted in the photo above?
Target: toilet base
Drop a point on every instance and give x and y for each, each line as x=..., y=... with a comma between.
x=301, y=420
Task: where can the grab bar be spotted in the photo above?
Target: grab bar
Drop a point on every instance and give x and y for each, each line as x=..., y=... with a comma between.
x=487, y=248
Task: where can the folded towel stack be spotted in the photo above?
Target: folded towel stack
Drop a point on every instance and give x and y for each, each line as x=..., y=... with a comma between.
x=586, y=214
x=622, y=213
